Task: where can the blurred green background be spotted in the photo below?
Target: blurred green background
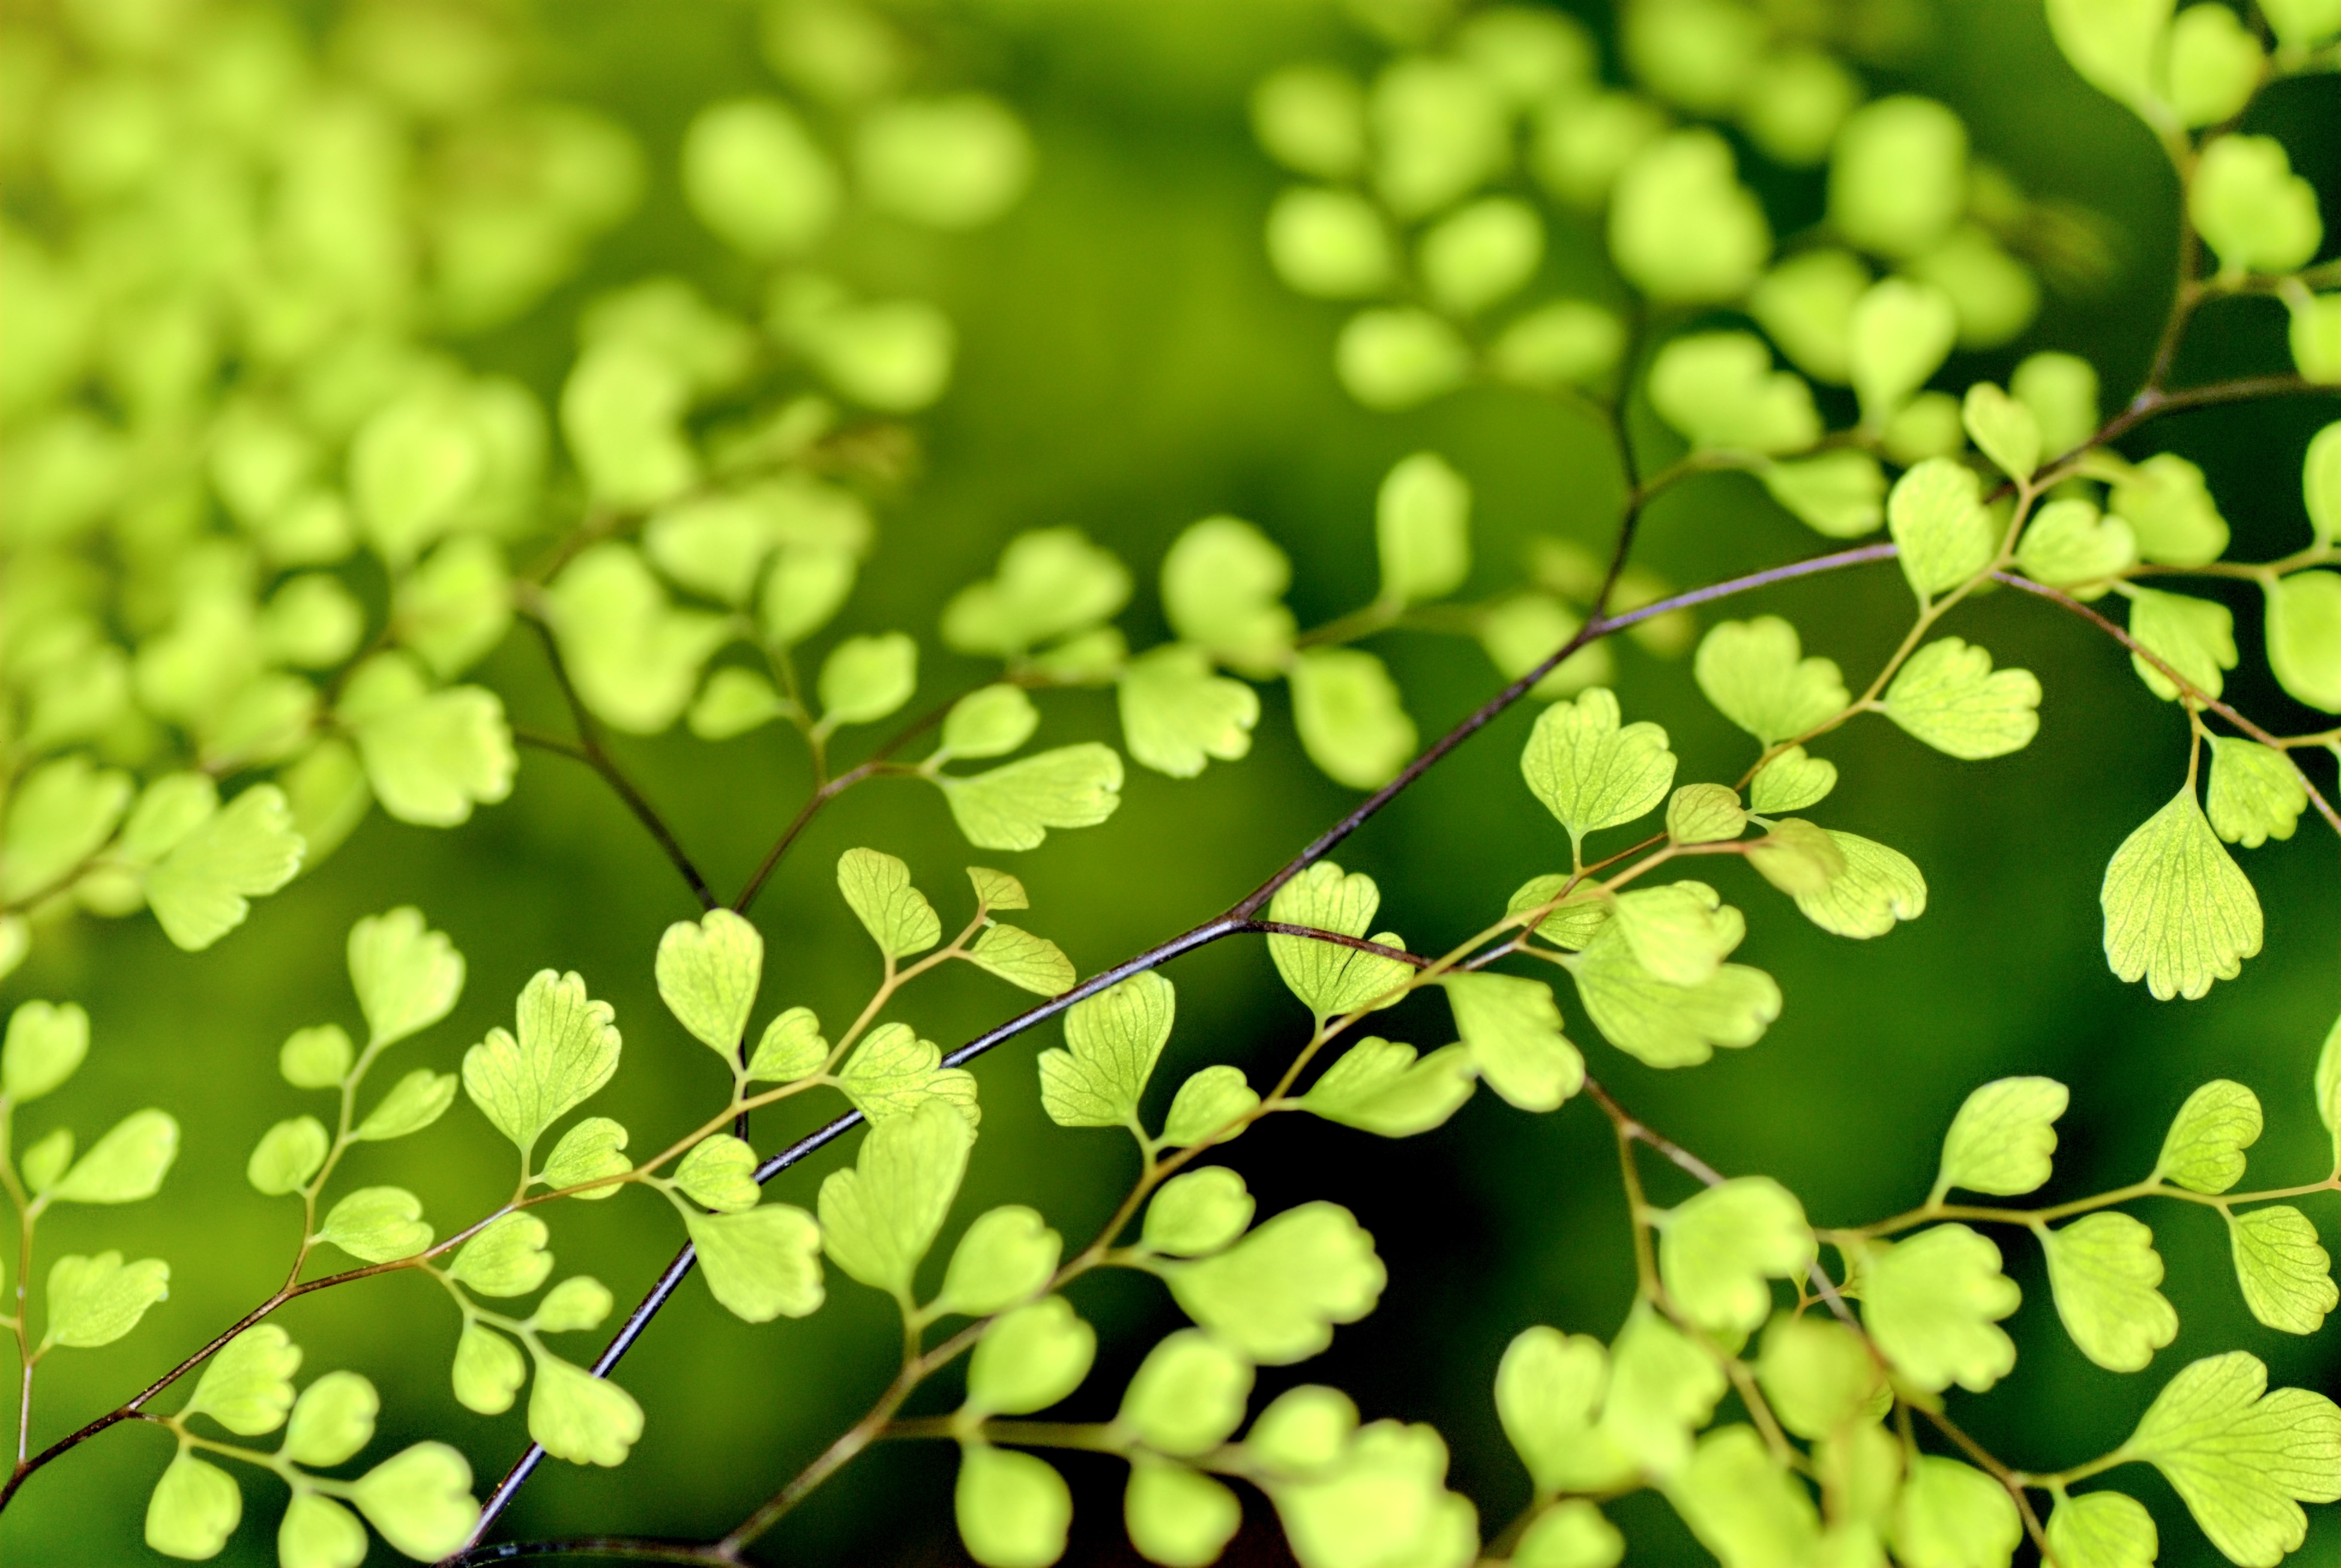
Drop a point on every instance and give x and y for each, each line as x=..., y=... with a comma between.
x=1128, y=365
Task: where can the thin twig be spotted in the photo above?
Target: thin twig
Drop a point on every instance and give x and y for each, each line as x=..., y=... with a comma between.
x=588, y=750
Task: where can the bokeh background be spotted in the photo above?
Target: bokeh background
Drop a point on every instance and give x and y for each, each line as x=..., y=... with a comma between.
x=1129, y=364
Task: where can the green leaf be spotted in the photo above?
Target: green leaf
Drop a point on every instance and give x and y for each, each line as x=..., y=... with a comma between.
x=1931, y=1303
x=1526, y=630
x=1223, y=585
x=1936, y=516
x=488, y=1370
x=2069, y=545
x=1837, y=494
x=44, y=1162
x=879, y=1218
x=413, y=1103
x=2256, y=793
x=895, y=1071
x=2113, y=44
x=1177, y=1516
x=1878, y=887
x=2104, y=1270
x=1022, y=959
x=319, y=1533
x=754, y=175
x=1666, y=1026
x=1176, y=714
x=1745, y=1506
x=763, y=1263
x=1720, y=391
x=2320, y=482
x=429, y=756
x=1378, y=1086
x=2102, y=1530
x=1817, y=1373
x=407, y=977
x=991, y=721
x=1797, y=857
x=2251, y=209
x=2286, y=1272
x=505, y=1258
x=708, y=973
x=1899, y=334
x=877, y=888
x=1187, y=1395
x=1953, y=1515
x=594, y=1148
x=94, y=1301
x=1012, y=1509
x=377, y=1224
x=333, y=1419
x=864, y=678
x=421, y=1499
x=720, y=1173
x=45, y=1044
x=1330, y=980
x=1550, y=1389
x=1051, y=581
x=194, y=1508
x=1113, y=1041
x=576, y=1303
x=1385, y=1501
x=577, y=1416
x=1570, y=1535
x=60, y=814
x=1589, y=772
x=1423, y=519
x=316, y=1058
x=1481, y=254
x=1208, y=1101
x=1662, y=1388
x=1006, y=1255
x=791, y=1048
x=2303, y=637
x=634, y=657
x=1751, y=671
x=1898, y=176
x=1014, y=806
x=2204, y=1150
x=1678, y=932
x=247, y=1385
x=1705, y=814
x=997, y=890
x=1276, y=1295
x=2169, y=511
x=2242, y=1458
x=2193, y=637
x=1029, y=1359
x=1395, y=359
x=203, y=889
x=948, y=163
x=1681, y=226
x=1198, y=1211
x=2003, y=430
x=1568, y=921
x=1351, y=718
x=733, y=702
x=1949, y=697
x=566, y=1050
x=2003, y=1137
x=287, y=1156
x=1511, y=1027
x=1791, y=782
x=1718, y=1249
x=452, y=610
x=127, y=1165
x=1302, y=1430
x=2178, y=912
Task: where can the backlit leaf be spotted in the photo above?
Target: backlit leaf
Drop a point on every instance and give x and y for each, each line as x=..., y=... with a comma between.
x=2104, y=1271
x=2243, y=1458
x=566, y=1049
x=2285, y=1271
x=1950, y=697
x=1113, y=1041
x=2002, y=1138
x=1933, y=1304
x=2179, y=914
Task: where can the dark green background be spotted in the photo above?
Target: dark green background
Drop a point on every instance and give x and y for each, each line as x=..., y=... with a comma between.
x=1128, y=365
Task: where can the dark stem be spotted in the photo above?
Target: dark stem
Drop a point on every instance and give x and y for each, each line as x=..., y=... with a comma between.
x=804, y=820
x=2067, y=603
x=587, y=748
x=1238, y=917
